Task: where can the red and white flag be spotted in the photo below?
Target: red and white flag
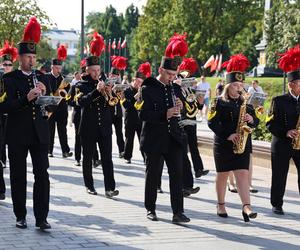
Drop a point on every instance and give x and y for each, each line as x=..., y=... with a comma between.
x=119, y=44
x=220, y=63
x=123, y=45
x=113, y=45
x=209, y=62
x=215, y=64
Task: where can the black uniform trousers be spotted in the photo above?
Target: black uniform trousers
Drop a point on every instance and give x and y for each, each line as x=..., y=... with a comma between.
x=174, y=163
x=280, y=168
x=88, y=147
x=59, y=117
x=118, y=124
x=191, y=132
x=2, y=183
x=130, y=130
x=3, y=144
x=17, y=154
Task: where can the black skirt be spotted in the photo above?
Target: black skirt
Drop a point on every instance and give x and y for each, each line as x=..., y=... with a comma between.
x=226, y=160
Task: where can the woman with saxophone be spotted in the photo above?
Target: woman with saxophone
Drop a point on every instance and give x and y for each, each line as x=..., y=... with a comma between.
x=232, y=119
x=283, y=122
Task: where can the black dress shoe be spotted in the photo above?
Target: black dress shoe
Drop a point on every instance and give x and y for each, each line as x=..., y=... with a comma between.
x=111, y=193
x=91, y=191
x=128, y=161
x=278, y=210
x=67, y=154
x=180, y=218
x=151, y=215
x=232, y=188
x=21, y=224
x=253, y=190
x=50, y=155
x=2, y=196
x=201, y=172
x=77, y=163
x=43, y=225
x=97, y=163
x=121, y=155
x=188, y=191
x=159, y=190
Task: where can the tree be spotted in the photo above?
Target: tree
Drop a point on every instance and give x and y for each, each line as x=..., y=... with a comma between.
x=15, y=15
x=282, y=28
x=131, y=19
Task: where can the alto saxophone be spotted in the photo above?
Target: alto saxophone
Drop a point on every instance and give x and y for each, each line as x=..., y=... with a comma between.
x=296, y=140
x=243, y=130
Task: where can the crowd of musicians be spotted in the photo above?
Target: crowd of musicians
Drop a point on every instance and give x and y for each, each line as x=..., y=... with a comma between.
x=160, y=109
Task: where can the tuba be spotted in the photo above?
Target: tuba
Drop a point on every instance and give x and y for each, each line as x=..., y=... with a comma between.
x=243, y=130
x=296, y=140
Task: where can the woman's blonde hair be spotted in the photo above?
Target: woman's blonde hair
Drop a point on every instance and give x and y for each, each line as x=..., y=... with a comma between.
x=225, y=95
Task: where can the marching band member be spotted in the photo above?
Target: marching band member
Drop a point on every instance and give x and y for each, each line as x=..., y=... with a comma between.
x=96, y=121
x=28, y=130
x=231, y=119
x=283, y=121
x=60, y=115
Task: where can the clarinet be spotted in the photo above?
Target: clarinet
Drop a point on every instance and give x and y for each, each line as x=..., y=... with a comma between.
x=35, y=82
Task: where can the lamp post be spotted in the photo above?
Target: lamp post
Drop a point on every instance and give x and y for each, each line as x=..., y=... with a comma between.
x=82, y=30
x=155, y=58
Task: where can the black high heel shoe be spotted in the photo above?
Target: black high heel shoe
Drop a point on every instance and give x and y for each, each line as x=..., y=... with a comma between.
x=223, y=215
x=248, y=216
x=232, y=188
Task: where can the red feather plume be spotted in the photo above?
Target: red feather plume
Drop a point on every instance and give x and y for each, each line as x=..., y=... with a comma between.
x=177, y=46
x=119, y=62
x=62, y=53
x=9, y=50
x=236, y=63
x=83, y=63
x=32, y=31
x=145, y=69
x=290, y=60
x=188, y=64
x=97, y=44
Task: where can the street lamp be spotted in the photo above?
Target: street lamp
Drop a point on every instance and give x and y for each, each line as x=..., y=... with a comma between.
x=82, y=30
x=155, y=57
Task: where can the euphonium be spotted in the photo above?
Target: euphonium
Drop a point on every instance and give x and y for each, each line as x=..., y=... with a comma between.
x=243, y=130
x=296, y=140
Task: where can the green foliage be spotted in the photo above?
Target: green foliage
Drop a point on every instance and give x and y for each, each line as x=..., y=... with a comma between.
x=261, y=132
x=282, y=28
x=15, y=15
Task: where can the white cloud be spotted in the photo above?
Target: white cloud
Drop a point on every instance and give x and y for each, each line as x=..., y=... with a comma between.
x=66, y=14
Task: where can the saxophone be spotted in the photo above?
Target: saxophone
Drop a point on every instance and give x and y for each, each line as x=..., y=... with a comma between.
x=243, y=130
x=296, y=140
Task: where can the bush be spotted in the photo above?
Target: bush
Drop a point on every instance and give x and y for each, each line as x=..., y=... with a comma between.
x=261, y=133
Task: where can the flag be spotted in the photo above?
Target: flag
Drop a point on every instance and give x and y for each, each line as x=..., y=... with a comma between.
x=215, y=64
x=219, y=67
x=113, y=45
x=104, y=47
x=108, y=46
x=209, y=62
x=123, y=45
x=119, y=43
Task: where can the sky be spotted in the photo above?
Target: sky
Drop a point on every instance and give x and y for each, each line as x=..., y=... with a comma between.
x=66, y=13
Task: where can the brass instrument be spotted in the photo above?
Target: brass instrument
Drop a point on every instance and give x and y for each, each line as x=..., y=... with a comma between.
x=187, y=84
x=61, y=89
x=296, y=140
x=243, y=130
x=119, y=89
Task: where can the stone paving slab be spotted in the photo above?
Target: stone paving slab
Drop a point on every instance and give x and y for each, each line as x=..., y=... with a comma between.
x=82, y=221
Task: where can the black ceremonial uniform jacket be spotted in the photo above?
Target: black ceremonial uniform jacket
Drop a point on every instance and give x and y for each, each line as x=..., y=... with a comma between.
x=71, y=100
x=283, y=116
x=95, y=114
x=156, y=129
x=131, y=114
x=25, y=122
x=223, y=120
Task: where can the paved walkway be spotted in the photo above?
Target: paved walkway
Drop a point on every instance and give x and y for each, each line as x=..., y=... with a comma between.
x=81, y=221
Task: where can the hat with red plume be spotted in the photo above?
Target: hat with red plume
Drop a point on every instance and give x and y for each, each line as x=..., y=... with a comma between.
x=144, y=71
x=118, y=63
x=97, y=45
x=235, y=67
x=289, y=62
x=31, y=37
x=188, y=65
x=61, y=55
x=9, y=52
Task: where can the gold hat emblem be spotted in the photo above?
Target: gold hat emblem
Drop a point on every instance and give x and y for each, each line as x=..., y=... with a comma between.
x=95, y=60
x=31, y=47
x=239, y=77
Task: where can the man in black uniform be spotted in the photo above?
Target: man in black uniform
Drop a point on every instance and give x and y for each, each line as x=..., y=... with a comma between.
x=133, y=123
x=28, y=130
x=8, y=54
x=117, y=116
x=95, y=127
x=161, y=136
x=60, y=114
x=284, y=124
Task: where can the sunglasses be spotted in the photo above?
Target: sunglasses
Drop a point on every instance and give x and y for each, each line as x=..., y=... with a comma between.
x=7, y=64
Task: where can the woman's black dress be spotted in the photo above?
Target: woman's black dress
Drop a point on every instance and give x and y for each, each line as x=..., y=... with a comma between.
x=223, y=121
